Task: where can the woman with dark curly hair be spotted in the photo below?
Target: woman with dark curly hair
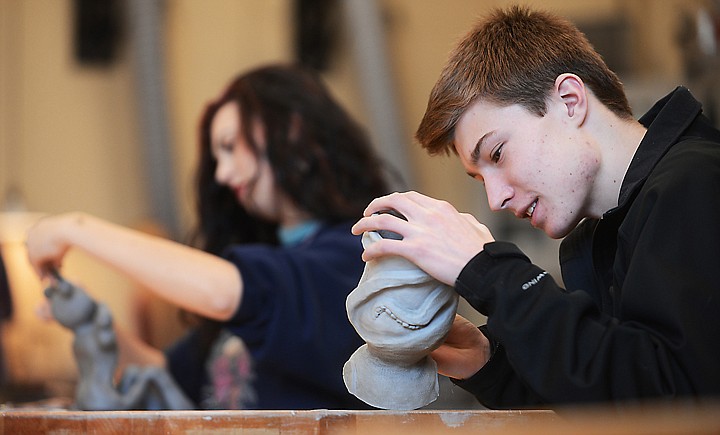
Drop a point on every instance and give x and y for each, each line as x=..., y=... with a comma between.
x=283, y=173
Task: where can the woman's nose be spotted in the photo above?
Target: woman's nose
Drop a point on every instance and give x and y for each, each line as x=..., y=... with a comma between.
x=222, y=172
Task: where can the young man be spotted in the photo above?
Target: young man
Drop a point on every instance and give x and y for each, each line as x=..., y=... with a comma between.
x=533, y=113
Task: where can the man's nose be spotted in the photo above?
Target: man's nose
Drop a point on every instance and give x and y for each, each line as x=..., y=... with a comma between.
x=499, y=194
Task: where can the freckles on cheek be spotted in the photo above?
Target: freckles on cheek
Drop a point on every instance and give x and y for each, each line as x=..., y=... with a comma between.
x=587, y=174
x=594, y=170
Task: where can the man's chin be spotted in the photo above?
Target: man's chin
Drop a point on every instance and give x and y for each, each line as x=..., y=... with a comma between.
x=558, y=233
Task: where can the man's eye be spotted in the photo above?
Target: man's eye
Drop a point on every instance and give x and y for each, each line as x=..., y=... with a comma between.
x=496, y=153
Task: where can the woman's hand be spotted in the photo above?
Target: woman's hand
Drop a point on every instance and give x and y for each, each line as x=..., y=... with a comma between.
x=187, y=277
x=464, y=351
x=46, y=242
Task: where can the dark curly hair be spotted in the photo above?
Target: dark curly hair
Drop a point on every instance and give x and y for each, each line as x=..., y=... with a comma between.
x=320, y=157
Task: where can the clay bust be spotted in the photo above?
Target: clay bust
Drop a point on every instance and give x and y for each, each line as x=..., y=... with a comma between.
x=402, y=314
x=95, y=350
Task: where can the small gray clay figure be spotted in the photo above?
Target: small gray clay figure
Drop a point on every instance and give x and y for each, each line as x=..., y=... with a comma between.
x=95, y=350
x=403, y=314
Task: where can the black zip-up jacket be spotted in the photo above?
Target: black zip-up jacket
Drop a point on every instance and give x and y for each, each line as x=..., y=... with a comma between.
x=640, y=319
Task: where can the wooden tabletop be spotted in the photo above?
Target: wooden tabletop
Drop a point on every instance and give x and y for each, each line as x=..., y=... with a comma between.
x=666, y=420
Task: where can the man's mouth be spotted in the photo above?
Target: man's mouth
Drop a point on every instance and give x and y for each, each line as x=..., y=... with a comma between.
x=531, y=209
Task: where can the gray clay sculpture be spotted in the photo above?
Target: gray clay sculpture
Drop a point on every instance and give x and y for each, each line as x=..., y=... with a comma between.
x=95, y=350
x=403, y=314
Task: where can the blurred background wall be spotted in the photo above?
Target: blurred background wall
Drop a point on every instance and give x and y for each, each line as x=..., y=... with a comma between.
x=73, y=136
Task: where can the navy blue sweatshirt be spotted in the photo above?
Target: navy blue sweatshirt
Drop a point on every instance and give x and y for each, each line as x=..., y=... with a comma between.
x=293, y=321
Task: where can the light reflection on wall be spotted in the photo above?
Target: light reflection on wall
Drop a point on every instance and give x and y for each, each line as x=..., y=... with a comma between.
x=36, y=351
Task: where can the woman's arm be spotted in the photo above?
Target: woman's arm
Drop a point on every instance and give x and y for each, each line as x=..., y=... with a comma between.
x=189, y=278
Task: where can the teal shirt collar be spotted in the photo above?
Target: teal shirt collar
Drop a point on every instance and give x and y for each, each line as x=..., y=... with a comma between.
x=290, y=236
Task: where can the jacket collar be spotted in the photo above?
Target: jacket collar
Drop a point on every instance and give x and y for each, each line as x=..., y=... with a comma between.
x=666, y=121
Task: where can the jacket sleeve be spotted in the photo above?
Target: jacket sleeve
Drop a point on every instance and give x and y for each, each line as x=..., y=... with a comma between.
x=527, y=315
x=497, y=385
x=659, y=338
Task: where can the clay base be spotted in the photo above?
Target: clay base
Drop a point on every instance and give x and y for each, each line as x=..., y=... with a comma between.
x=391, y=386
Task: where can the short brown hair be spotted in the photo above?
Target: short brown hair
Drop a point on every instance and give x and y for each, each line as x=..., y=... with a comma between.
x=514, y=57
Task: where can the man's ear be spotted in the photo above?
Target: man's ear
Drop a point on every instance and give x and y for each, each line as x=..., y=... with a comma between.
x=573, y=95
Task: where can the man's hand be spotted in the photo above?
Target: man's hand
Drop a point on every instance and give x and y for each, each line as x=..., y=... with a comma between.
x=464, y=351
x=436, y=237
